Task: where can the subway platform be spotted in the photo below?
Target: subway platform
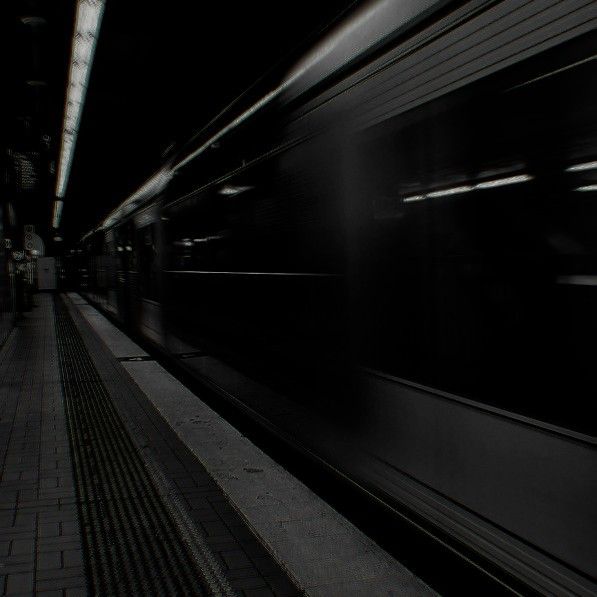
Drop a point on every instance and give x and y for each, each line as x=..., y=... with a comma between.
x=118, y=480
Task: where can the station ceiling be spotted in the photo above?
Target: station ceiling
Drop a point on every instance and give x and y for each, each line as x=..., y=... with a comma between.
x=161, y=71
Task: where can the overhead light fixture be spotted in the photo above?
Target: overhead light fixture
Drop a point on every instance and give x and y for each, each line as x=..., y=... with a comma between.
x=87, y=24
x=500, y=182
x=230, y=190
x=589, y=187
x=57, y=213
x=450, y=191
x=486, y=184
x=582, y=167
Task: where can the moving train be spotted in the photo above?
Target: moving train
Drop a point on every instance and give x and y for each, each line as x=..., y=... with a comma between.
x=385, y=250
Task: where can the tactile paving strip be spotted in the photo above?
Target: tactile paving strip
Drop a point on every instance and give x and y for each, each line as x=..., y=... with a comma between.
x=133, y=544
x=202, y=507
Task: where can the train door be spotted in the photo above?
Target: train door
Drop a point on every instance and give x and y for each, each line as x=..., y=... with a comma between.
x=149, y=243
x=124, y=262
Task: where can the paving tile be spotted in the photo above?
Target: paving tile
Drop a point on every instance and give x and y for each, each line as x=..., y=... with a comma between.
x=254, y=549
x=184, y=482
x=69, y=527
x=49, y=560
x=57, y=515
x=281, y=586
x=19, y=583
x=25, y=519
x=214, y=528
x=27, y=495
x=60, y=583
x=7, y=518
x=236, y=559
x=47, y=482
x=240, y=573
x=17, y=532
x=72, y=557
x=58, y=541
x=59, y=573
x=204, y=515
x=243, y=584
x=266, y=565
x=221, y=542
x=262, y=592
x=49, y=529
x=14, y=567
x=22, y=547
x=37, y=496
x=32, y=469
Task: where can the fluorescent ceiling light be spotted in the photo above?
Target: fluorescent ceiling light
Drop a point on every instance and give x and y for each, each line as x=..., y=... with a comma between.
x=590, y=187
x=487, y=184
x=581, y=167
x=500, y=182
x=230, y=190
x=450, y=191
x=87, y=23
x=57, y=213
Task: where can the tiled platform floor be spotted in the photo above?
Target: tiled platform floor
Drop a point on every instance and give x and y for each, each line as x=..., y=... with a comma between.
x=204, y=466
x=40, y=542
x=246, y=564
x=41, y=547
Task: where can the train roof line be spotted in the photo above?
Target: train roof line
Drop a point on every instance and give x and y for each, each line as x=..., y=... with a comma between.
x=347, y=40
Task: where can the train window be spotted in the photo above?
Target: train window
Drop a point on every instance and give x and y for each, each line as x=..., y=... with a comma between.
x=148, y=263
x=285, y=220
x=478, y=252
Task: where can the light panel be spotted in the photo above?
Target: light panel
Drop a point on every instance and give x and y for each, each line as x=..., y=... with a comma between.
x=450, y=191
x=582, y=167
x=87, y=24
x=500, y=182
x=486, y=184
x=230, y=190
x=57, y=213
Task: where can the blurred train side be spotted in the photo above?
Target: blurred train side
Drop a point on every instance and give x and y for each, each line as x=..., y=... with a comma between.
x=395, y=268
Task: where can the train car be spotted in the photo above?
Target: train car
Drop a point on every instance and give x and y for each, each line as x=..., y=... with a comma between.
x=385, y=253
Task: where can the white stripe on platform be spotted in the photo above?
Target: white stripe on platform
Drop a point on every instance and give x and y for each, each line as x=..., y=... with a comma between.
x=322, y=551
